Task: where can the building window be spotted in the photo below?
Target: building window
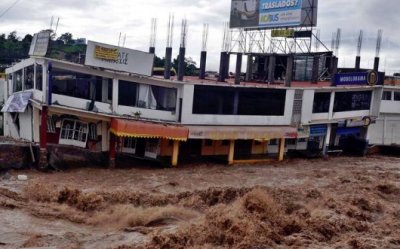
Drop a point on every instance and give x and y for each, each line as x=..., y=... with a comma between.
x=129, y=145
x=93, y=131
x=208, y=142
x=29, y=77
x=396, y=96
x=127, y=93
x=291, y=141
x=387, y=95
x=17, y=81
x=352, y=101
x=225, y=142
x=39, y=77
x=302, y=140
x=74, y=132
x=321, y=102
x=51, y=125
x=273, y=142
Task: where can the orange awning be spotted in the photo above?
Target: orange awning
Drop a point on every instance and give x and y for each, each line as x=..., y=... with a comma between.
x=141, y=129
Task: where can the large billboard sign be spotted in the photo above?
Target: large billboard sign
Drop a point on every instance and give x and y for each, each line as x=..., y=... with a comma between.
x=370, y=78
x=119, y=59
x=270, y=14
x=40, y=43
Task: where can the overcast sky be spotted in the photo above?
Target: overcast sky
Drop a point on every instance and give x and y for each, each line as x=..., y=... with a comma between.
x=103, y=20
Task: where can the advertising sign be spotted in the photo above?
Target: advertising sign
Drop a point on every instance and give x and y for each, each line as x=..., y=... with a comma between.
x=40, y=43
x=119, y=59
x=359, y=78
x=282, y=33
x=318, y=130
x=271, y=14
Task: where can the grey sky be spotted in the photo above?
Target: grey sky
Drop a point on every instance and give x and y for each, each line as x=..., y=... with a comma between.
x=103, y=20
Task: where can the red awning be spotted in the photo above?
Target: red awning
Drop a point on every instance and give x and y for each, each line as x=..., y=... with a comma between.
x=142, y=129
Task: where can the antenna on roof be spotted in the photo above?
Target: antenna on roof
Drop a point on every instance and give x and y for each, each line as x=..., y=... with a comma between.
x=51, y=22
x=360, y=42
x=205, y=37
x=123, y=44
x=338, y=40
x=55, y=31
x=119, y=39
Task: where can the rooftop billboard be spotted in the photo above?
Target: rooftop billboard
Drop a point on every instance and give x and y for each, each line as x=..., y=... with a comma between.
x=119, y=59
x=270, y=14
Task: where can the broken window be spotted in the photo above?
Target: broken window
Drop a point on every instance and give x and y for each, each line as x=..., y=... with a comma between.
x=74, y=132
x=321, y=102
x=352, y=101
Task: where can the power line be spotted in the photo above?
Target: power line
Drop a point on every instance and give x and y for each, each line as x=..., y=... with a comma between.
x=9, y=8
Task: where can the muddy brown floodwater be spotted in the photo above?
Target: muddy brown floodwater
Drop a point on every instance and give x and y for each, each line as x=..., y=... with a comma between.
x=339, y=202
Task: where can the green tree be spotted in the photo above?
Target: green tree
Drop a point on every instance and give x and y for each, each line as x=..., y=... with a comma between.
x=66, y=38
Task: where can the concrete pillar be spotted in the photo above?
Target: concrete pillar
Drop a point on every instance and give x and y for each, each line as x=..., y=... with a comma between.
x=238, y=68
x=175, y=153
x=50, y=85
x=331, y=105
x=203, y=63
x=236, y=103
x=376, y=64
x=249, y=69
x=271, y=68
x=43, y=138
x=222, y=67
x=112, y=151
x=181, y=63
x=315, y=69
x=231, y=154
x=334, y=67
x=327, y=139
x=115, y=89
x=289, y=70
x=358, y=63
x=45, y=82
x=281, y=152
x=168, y=64
x=227, y=63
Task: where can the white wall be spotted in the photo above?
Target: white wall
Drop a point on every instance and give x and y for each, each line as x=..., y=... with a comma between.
x=196, y=119
x=386, y=130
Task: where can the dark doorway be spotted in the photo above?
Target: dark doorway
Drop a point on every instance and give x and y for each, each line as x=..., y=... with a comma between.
x=140, y=147
x=243, y=149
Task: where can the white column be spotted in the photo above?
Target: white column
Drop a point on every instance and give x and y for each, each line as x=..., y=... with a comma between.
x=115, y=95
x=332, y=102
x=104, y=136
x=45, y=83
x=36, y=125
x=327, y=139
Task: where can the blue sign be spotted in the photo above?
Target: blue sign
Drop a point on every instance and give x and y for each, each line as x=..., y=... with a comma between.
x=318, y=130
x=358, y=78
x=280, y=13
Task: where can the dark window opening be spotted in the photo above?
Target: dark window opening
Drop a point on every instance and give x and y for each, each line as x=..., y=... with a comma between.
x=208, y=142
x=352, y=101
x=213, y=100
x=127, y=93
x=265, y=102
x=321, y=102
x=396, y=96
x=216, y=100
x=225, y=142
